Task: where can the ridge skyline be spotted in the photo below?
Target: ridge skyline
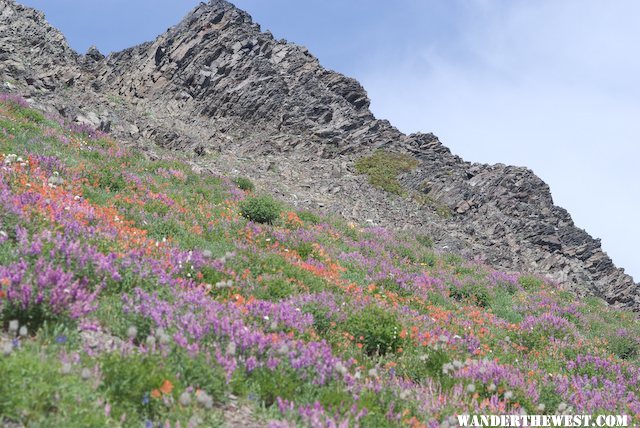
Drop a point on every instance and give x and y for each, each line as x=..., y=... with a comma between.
x=567, y=175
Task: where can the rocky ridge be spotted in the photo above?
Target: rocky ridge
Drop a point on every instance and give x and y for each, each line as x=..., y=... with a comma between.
x=240, y=102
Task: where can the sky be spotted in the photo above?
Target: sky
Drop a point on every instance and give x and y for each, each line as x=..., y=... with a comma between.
x=553, y=85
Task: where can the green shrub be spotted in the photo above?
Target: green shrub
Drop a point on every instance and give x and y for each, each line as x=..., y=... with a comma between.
x=110, y=179
x=383, y=169
x=261, y=209
x=427, y=365
x=309, y=217
x=244, y=183
x=199, y=371
x=321, y=318
x=477, y=293
x=429, y=259
x=377, y=329
x=271, y=384
x=623, y=345
x=305, y=250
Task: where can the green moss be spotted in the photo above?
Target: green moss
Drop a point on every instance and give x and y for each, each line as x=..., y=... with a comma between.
x=383, y=169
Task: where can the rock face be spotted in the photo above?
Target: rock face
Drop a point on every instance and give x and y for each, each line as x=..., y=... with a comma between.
x=31, y=51
x=216, y=83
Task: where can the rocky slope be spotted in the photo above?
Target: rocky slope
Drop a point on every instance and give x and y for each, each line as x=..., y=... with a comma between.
x=240, y=102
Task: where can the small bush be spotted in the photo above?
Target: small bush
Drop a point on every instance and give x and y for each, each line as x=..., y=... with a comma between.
x=244, y=184
x=321, y=318
x=270, y=385
x=261, y=209
x=383, y=169
x=377, y=329
x=109, y=179
x=305, y=250
x=623, y=345
x=309, y=217
x=198, y=371
x=420, y=368
x=474, y=292
x=429, y=259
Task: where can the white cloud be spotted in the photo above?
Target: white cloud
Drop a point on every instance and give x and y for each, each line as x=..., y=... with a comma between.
x=551, y=85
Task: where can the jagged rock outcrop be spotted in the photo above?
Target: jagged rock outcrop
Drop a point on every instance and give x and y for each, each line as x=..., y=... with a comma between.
x=31, y=51
x=216, y=83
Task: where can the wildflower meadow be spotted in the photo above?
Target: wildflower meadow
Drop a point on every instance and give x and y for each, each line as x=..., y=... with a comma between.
x=140, y=293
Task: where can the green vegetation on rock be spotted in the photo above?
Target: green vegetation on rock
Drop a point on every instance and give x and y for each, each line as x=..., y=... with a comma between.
x=383, y=169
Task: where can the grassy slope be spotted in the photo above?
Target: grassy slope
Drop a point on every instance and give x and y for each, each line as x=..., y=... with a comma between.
x=149, y=298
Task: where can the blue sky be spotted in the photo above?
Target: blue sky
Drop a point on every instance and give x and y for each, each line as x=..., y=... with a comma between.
x=552, y=85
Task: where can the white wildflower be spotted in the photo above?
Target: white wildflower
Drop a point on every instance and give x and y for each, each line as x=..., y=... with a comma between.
x=185, y=398
x=132, y=332
x=14, y=325
x=340, y=368
x=195, y=421
x=9, y=159
x=151, y=341
x=231, y=348
x=164, y=338
x=204, y=399
x=6, y=348
x=446, y=368
x=283, y=350
x=65, y=369
x=85, y=374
